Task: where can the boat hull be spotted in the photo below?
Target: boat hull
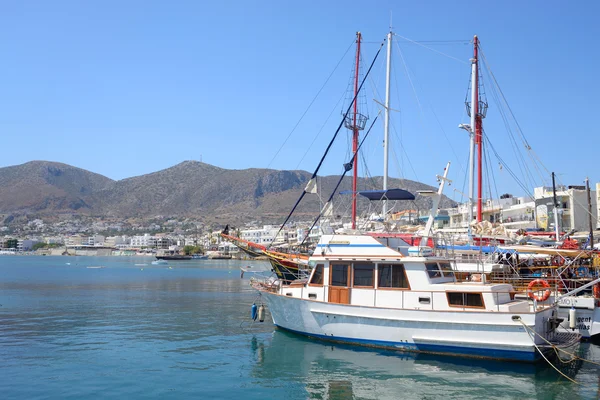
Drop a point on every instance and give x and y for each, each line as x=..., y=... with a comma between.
x=470, y=334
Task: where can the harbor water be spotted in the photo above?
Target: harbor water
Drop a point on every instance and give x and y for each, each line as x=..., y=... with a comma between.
x=120, y=327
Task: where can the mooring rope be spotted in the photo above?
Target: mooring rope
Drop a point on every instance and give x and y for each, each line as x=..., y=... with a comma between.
x=575, y=356
x=527, y=329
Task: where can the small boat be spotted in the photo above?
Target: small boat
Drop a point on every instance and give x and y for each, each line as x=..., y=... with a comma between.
x=174, y=257
x=199, y=256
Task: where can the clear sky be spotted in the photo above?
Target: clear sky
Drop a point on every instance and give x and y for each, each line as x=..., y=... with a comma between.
x=125, y=88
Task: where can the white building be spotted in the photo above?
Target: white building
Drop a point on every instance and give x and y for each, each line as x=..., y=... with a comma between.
x=262, y=236
x=117, y=241
x=26, y=245
x=143, y=241
x=573, y=212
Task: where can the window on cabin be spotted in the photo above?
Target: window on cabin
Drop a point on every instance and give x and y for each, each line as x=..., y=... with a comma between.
x=392, y=276
x=447, y=269
x=339, y=275
x=364, y=275
x=433, y=270
x=317, y=277
x=458, y=299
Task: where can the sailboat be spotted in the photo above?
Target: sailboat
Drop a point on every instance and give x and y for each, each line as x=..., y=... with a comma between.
x=364, y=291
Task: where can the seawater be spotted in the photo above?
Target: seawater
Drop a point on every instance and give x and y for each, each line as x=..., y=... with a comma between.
x=134, y=330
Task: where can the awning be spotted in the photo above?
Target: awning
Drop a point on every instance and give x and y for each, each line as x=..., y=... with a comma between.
x=390, y=194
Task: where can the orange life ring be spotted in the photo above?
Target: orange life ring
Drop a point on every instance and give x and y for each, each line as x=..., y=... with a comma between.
x=544, y=284
x=597, y=290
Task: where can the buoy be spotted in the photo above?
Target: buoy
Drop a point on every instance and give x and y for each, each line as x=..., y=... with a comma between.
x=572, y=319
x=253, y=311
x=544, y=284
x=261, y=313
x=596, y=290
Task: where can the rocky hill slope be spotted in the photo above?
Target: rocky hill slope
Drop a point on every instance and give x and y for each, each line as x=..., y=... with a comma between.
x=188, y=189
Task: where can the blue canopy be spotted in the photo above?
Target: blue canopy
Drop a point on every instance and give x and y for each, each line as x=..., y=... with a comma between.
x=390, y=194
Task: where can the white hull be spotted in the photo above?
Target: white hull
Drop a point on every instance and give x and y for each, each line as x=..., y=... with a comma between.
x=587, y=315
x=475, y=334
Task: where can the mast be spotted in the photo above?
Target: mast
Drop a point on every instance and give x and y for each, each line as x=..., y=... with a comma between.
x=476, y=109
x=355, y=131
x=477, y=126
x=556, y=227
x=589, y=199
x=386, y=126
x=472, y=138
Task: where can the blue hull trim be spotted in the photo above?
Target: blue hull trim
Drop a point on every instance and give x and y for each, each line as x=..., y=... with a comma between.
x=506, y=355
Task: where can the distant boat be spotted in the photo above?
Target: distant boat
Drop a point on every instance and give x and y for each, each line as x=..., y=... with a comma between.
x=174, y=257
x=199, y=257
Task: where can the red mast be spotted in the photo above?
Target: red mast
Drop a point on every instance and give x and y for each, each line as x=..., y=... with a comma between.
x=478, y=130
x=355, y=131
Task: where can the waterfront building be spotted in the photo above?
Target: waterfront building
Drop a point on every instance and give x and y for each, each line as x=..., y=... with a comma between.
x=117, y=241
x=573, y=208
x=26, y=244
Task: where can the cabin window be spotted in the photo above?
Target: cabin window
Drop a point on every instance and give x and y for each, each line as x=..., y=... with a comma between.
x=433, y=270
x=364, y=275
x=392, y=276
x=458, y=299
x=447, y=269
x=339, y=275
x=317, y=277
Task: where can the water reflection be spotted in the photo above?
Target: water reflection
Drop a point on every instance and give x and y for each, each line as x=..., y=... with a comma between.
x=341, y=372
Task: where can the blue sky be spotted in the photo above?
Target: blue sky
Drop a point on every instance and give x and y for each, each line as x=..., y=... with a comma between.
x=125, y=88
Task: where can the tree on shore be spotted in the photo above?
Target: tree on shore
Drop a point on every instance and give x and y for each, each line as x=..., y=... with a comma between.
x=189, y=250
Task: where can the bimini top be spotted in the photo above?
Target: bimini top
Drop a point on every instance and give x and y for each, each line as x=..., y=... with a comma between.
x=390, y=194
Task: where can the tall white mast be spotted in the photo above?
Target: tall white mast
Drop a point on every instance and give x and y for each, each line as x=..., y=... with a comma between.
x=472, y=144
x=386, y=126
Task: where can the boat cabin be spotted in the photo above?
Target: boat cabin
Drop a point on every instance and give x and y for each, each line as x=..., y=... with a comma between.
x=359, y=270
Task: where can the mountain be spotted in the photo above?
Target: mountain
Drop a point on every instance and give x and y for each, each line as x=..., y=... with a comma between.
x=43, y=186
x=190, y=188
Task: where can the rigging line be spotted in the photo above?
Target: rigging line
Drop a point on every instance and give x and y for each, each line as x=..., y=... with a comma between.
x=398, y=136
x=504, y=98
x=412, y=85
x=314, y=175
x=495, y=95
x=507, y=167
x=516, y=148
x=397, y=163
x=445, y=135
x=342, y=177
x=520, y=131
x=310, y=105
x=434, y=50
x=321, y=129
x=462, y=193
x=406, y=157
x=520, y=160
